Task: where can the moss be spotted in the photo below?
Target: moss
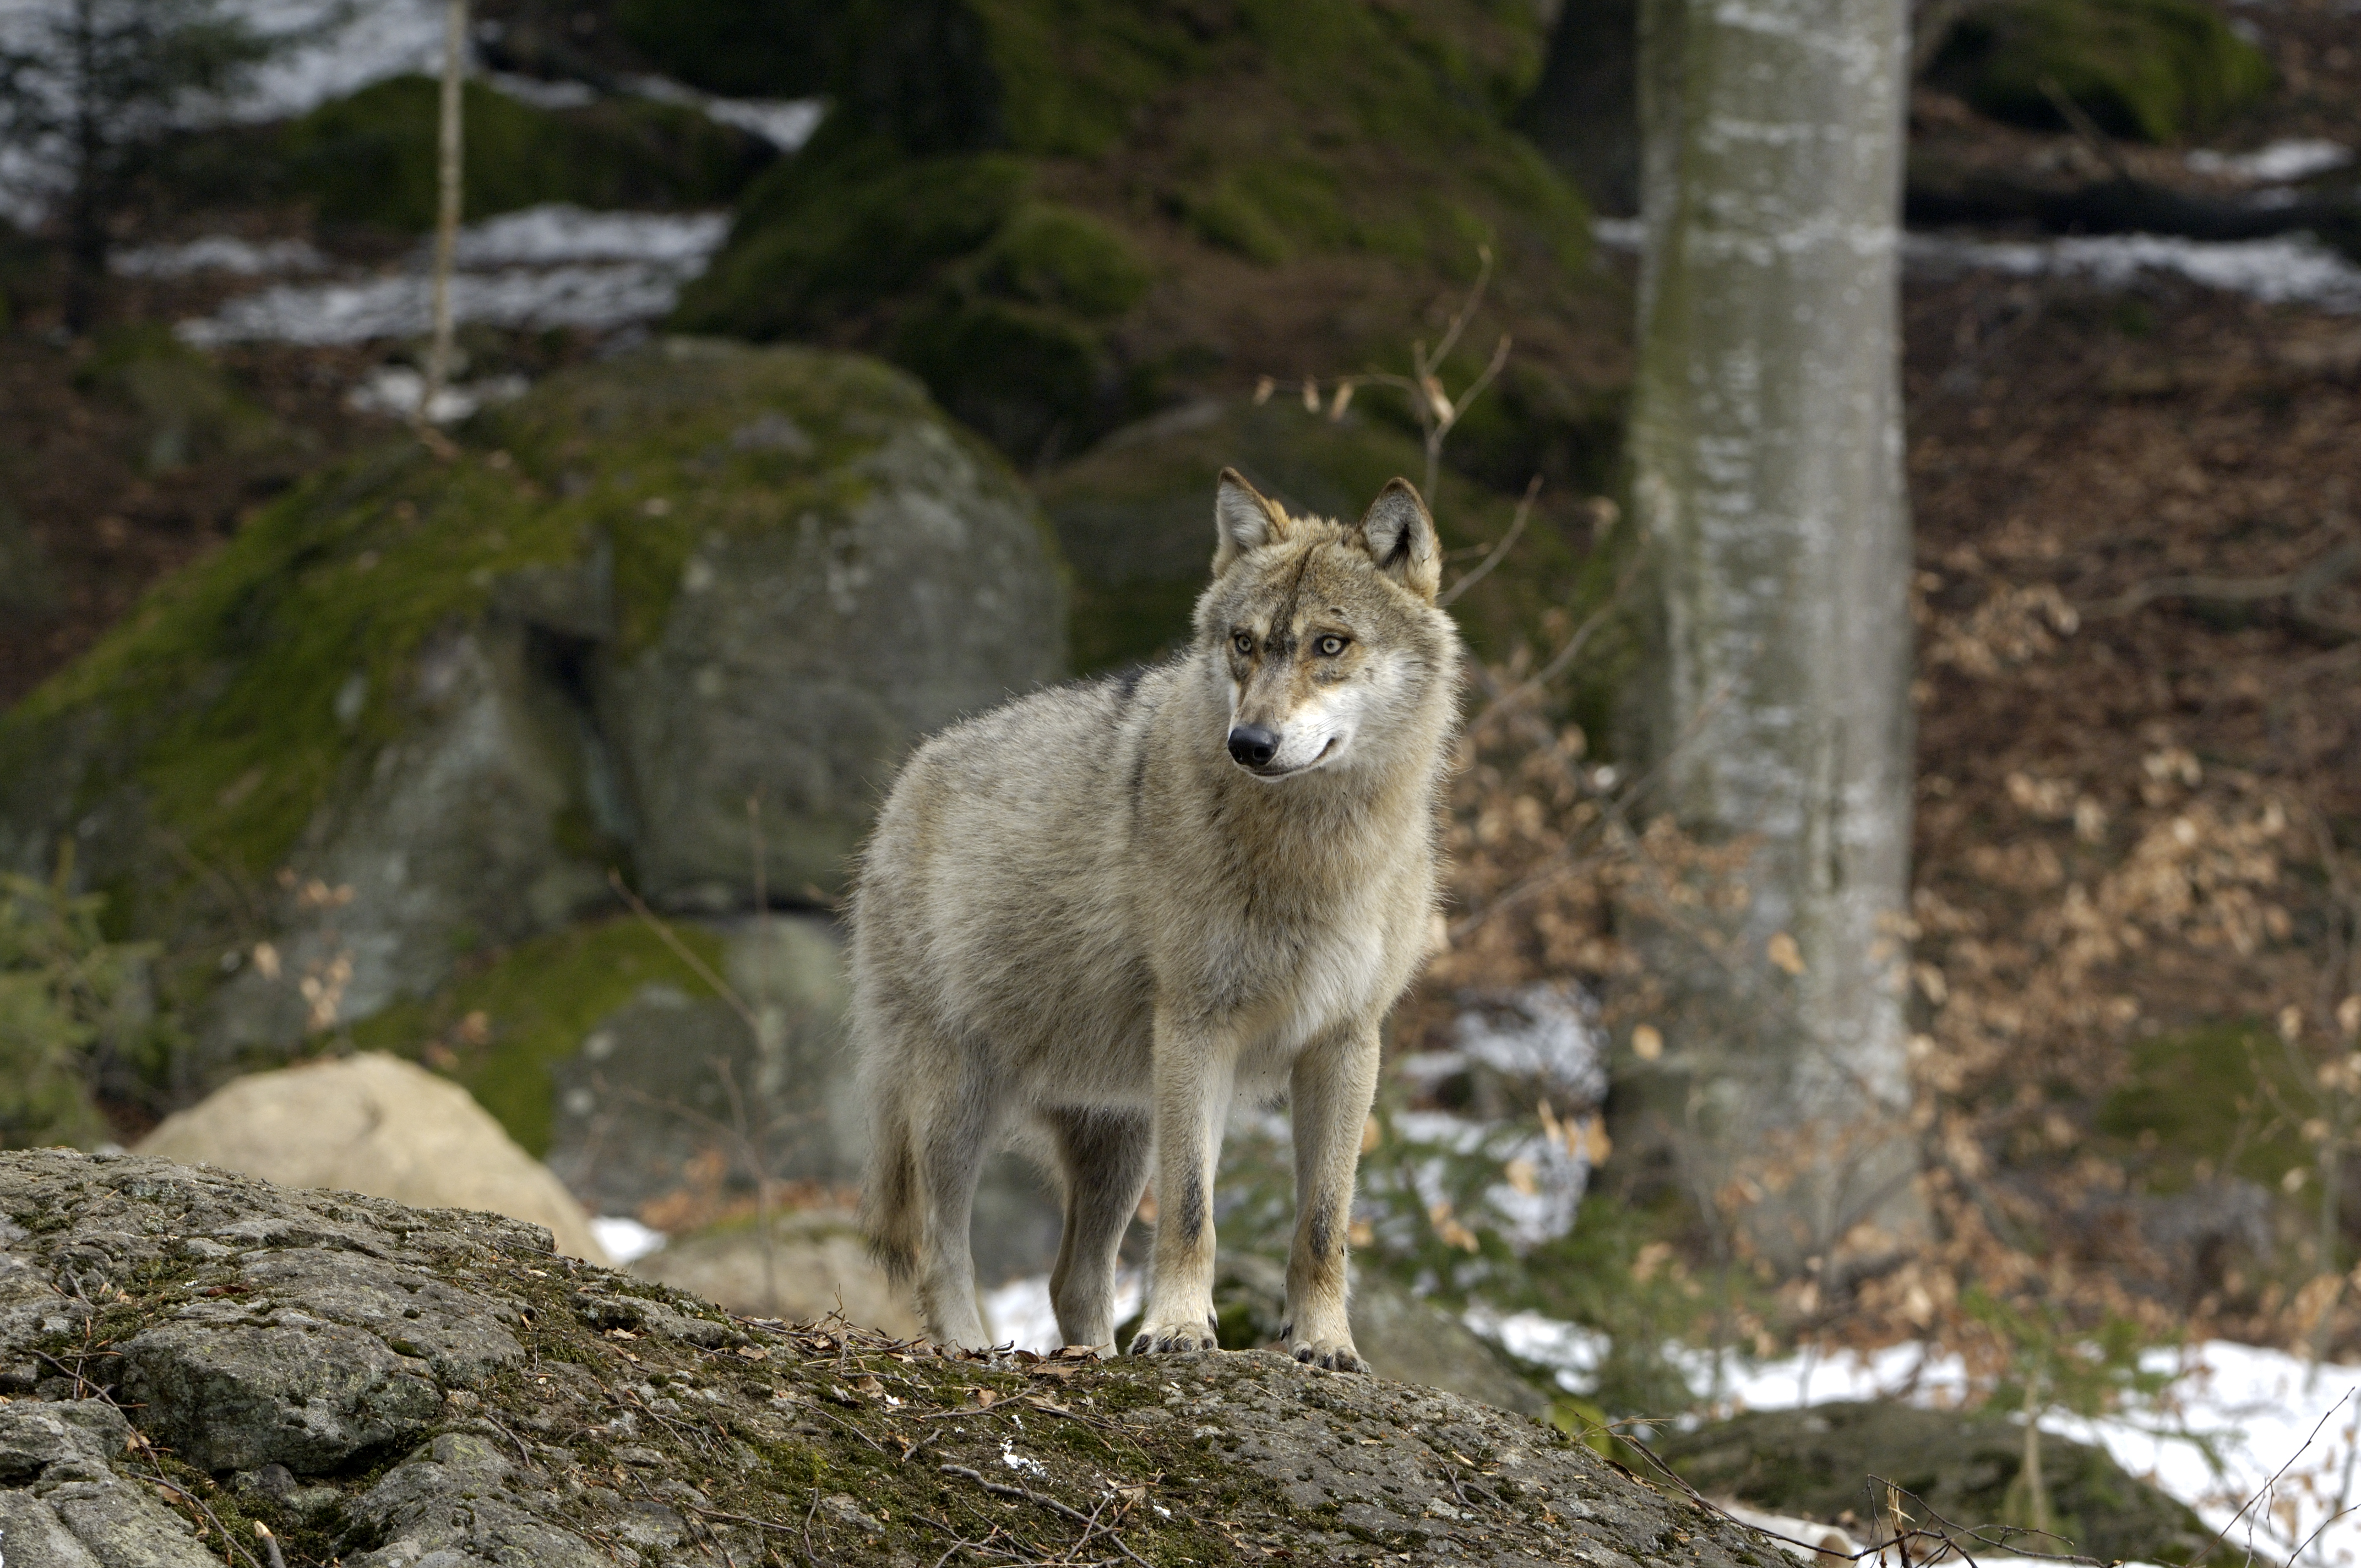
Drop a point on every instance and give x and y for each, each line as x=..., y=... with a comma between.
x=1056, y=256
x=1278, y=129
x=1017, y=374
x=839, y=231
x=370, y=158
x=2158, y=70
x=2206, y=1102
x=211, y=712
x=745, y=48
x=538, y=1001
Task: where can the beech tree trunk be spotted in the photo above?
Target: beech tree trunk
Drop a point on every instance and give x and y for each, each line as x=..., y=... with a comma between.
x=1766, y=448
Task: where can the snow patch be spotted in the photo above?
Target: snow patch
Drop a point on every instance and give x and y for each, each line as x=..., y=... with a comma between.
x=2294, y=270
x=543, y=267
x=622, y=1239
x=395, y=390
x=2275, y=164
x=220, y=253
x=1018, y=1314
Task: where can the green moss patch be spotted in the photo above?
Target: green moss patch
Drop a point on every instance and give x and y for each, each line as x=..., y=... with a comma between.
x=1007, y=190
x=198, y=739
x=370, y=157
x=502, y=1025
x=2220, y=1101
x=2158, y=70
x=743, y=48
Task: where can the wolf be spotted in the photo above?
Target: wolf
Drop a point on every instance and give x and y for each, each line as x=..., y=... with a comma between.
x=1090, y=920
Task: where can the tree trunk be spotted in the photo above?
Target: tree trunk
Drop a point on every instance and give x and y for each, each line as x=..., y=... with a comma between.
x=449, y=165
x=1584, y=114
x=1767, y=451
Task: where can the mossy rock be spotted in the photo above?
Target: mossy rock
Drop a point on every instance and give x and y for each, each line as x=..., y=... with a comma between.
x=370, y=157
x=2160, y=70
x=742, y=48
x=1015, y=198
x=1819, y=1462
x=416, y=709
x=1135, y=518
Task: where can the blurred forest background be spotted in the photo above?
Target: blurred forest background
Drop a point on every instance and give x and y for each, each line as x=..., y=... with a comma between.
x=827, y=371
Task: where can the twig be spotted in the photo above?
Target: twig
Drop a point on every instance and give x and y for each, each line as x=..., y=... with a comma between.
x=1001, y=1490
x=270, y=1544
x=681, y=950
x=1516, y=527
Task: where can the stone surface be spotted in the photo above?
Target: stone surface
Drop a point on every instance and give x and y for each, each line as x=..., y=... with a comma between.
x=816, y=1264
x=375, y=1125
x=635, y=1419
x=1400, y=1336
x=417, y=711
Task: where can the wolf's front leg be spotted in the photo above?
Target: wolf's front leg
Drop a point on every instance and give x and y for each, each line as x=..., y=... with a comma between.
x=1194, y=1068
x=1334, y=1082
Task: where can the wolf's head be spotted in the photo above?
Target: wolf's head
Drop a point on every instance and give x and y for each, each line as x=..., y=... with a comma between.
x=1325, y=637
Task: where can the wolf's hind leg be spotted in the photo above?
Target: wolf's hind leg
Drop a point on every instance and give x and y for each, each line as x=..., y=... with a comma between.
x=1103, y=1157
x=1334, y=1082
x=958, y=1135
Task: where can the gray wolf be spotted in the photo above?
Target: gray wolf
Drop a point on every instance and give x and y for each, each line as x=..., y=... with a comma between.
x=1090, y=920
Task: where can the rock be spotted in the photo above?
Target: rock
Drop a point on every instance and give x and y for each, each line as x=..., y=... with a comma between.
x=415, y=711
x=1400, y=1336
x=634, y=1419
x=1815, y=1464
x=816, y=1264
x=375, y=1125
x=2157, y=70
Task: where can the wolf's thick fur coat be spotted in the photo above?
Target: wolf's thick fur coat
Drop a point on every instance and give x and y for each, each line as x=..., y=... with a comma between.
x=1090, y=920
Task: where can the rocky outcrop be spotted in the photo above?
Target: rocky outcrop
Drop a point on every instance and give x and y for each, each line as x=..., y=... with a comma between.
x=418, y=710
x=373, y=1123
x=193, y=1354
x=1961, y=1470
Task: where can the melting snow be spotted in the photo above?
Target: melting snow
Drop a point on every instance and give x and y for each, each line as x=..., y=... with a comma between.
x=220, y=253
x=395, y=390
x=2279, y=162
x=622, y=1239
x=1019, y=1314
x=546, y=266
x=2290, y=269
x=2239, y=1423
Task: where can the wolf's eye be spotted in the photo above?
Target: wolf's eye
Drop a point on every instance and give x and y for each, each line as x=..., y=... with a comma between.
x=1244, y=642
x=1329, y=645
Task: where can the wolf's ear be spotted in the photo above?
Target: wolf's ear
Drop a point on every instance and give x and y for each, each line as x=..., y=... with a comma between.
x=1244, y=519
x=1401, y=536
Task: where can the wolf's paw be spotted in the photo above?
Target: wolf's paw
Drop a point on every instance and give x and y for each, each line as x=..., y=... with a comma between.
x=1173, y=1339
x=1330, y=1353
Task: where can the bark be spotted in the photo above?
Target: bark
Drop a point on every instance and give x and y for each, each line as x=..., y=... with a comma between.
x=449, y=193
x=1766, y=448
x=1942, y=190
x=1584, y=114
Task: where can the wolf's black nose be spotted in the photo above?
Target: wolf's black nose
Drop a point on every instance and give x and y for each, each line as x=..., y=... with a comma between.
x=1253, y=745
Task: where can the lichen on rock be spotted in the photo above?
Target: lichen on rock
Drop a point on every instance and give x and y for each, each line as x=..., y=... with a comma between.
x=540, y=1409
x=416, y=709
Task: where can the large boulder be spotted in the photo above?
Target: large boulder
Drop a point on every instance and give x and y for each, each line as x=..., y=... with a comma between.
x=1817, y=1463
x=376, y=1125
x=419, y=710
x=380, y=1386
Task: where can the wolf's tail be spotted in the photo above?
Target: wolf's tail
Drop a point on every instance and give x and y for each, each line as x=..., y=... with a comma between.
x=893, y=1210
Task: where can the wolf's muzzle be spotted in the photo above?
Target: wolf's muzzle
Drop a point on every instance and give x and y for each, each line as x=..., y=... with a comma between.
x=1252, y=746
